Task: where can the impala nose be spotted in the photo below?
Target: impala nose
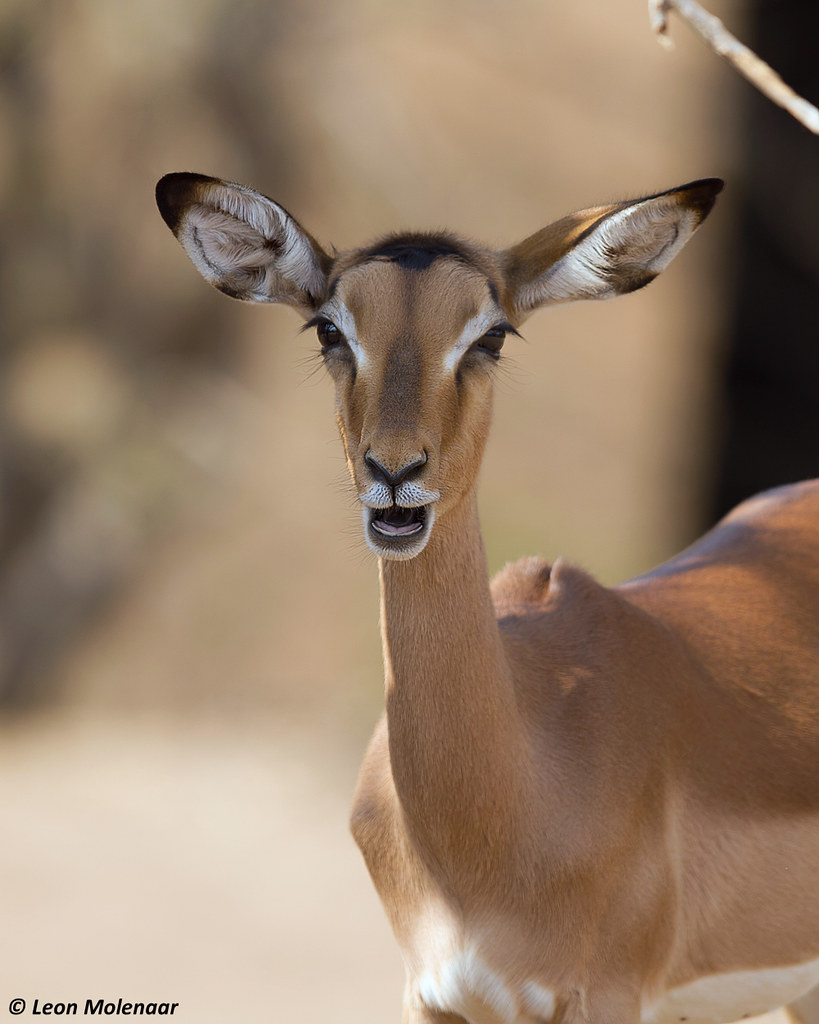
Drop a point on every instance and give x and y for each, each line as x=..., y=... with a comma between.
x=393, y=479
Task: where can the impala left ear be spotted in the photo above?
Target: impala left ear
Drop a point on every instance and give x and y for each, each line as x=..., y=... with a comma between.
x=606, y=250
x=242, y=242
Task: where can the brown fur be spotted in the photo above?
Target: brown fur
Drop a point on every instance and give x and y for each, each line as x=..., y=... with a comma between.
x=613, y=792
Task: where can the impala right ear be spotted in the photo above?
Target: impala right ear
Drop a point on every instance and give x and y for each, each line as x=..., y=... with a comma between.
x=606, y=250
x=242, y=242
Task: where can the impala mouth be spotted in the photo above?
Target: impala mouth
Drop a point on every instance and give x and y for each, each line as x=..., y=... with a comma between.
x=398, y=531
x=398, y=522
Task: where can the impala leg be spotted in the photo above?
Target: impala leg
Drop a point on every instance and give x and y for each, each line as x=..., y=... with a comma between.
x=418, y=1014
x=806, y=1009
x=613, y=1004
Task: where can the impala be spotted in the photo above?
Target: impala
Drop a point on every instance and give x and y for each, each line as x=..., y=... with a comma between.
x=583, y=804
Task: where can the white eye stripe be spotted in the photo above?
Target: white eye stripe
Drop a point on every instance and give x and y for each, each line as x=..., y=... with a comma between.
x=336, y=311
x=473, y=329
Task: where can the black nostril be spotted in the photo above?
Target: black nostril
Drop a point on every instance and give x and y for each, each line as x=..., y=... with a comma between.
x=377, y=469
x=393, y=479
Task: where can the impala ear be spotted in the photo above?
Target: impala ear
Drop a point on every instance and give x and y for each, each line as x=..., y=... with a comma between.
x=606, y=250
x=242, y=242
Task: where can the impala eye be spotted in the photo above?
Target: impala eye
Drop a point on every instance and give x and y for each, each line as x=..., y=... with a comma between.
x=492, y=342
x=328, y=334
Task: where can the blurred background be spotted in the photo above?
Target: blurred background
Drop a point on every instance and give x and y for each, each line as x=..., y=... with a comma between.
x=189, y=652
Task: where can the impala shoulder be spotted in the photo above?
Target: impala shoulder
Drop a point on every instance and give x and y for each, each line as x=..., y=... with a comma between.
x=524, y=582
x=375, y=793
x=533, y=586
x=561, y=616
x=376, y=819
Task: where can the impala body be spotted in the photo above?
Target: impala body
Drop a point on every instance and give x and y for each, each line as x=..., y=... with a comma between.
x=582, y=804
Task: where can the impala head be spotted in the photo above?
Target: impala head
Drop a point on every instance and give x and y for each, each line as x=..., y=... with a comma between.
x=411, y=328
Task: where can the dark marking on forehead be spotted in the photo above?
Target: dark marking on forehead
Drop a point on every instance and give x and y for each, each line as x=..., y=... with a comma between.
x=401, y=385
x=416, y=251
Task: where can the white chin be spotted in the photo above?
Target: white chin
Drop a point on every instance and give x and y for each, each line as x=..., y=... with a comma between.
x=397, y=546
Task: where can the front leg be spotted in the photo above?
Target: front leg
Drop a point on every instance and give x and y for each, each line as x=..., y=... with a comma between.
x=615, y=1003
x=416, y=1013
x=578, y=1007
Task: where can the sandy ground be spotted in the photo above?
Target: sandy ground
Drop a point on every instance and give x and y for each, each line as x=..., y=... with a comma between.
x=207, y=866
x=199, y=863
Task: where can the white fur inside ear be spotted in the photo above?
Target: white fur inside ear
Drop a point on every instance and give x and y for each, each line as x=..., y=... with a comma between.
x=243, y=242
x=624, y=250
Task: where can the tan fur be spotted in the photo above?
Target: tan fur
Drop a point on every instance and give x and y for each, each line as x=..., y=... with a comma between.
x=580, y=799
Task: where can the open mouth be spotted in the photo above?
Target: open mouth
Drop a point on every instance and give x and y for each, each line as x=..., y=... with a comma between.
x=397, y=522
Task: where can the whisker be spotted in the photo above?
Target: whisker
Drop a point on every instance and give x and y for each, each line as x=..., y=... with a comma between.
x=511, y=374
x=311, y=365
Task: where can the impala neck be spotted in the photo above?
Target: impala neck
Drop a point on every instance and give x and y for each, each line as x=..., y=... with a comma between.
x=456, y=742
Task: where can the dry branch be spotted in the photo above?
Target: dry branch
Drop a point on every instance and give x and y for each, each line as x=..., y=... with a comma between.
x=744, y=60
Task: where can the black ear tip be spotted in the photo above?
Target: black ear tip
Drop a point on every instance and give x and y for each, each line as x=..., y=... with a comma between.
x=702, y=194
x=175, y=191
x=171, y=190
x=710, y=186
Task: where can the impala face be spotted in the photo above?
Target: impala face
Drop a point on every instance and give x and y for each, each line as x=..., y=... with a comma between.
x=413, y=381
x=411, y=328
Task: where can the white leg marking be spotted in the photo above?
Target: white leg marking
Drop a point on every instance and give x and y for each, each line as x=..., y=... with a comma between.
x=538, y=1001
x=465, y=985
